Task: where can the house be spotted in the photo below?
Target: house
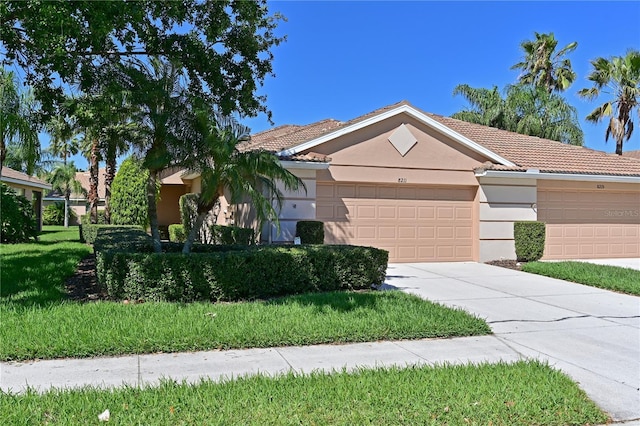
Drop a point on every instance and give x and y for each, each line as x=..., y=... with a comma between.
x=28, y=186
x=431, y=188
x=78, y=202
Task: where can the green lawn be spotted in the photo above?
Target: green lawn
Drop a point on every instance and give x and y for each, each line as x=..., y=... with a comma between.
x=623, y=280
x=37, y=321
x=523, y=393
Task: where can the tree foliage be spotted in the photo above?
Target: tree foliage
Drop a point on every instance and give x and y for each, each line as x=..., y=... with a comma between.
x=19, y=223
x=525, y=109
x=53, y=214
x=619, y=78
x=224, y=167
x=18, y=124
x=224, y=45
x=543, y=67
x=128, y=197
x=63, y=179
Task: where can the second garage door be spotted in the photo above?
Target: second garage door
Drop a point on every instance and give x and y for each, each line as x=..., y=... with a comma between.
x=414, y=223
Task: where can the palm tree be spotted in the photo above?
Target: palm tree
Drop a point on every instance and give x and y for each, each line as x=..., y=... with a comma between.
x=536, y=112
x=63, y=179
x=158, y=92
x=62, y=131
x=544, y=67
x=18, y=123
x=526, y=109
x=223, y=167
x=486, y=106
x=619, y=77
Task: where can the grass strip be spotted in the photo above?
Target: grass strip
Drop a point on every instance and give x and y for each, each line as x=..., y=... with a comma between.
x=522, y=393
x=623, y=280
x=108, y=328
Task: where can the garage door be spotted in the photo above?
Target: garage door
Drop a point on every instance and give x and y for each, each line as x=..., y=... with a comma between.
x=590, y=224
x=415, y=224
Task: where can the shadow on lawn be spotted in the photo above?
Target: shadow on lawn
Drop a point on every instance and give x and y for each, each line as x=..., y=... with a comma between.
x=36, y=278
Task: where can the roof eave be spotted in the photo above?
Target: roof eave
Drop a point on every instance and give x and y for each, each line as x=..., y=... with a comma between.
x=25, y=182
x=307, y=165
x=536, y=174
x=388, y=114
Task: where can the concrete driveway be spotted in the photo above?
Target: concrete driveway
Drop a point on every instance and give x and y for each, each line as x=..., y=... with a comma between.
x=592, y=335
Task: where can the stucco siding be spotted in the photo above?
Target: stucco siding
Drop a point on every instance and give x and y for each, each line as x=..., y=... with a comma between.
x=501, y=203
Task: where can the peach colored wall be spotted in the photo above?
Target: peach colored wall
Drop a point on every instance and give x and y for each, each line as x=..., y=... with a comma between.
x=370, y=147
x=169, y=204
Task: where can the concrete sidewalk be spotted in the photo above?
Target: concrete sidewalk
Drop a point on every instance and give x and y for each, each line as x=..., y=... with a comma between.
x=591, y=334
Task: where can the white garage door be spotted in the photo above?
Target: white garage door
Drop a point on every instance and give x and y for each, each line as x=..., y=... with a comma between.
x=414, y=223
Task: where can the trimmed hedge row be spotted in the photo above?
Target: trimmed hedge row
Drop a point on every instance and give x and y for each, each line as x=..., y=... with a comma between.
x=239, y=272
x=89, y=232
x=220, y=234
x=310, y=231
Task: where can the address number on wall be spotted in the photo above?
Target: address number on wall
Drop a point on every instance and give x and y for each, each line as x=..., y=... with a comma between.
x=402, y=180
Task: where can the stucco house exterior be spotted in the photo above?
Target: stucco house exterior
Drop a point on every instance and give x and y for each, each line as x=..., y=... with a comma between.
x=30, y=187
x=431, y=188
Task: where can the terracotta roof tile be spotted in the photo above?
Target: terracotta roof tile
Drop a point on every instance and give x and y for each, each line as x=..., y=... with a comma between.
x=14, y=174
x=527, y=152
x=632, y=154
x=83, y=178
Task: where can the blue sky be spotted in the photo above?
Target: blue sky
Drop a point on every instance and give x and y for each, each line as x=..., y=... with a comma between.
x=344, y=59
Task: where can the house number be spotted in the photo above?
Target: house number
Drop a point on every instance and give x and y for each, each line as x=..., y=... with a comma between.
x=402, y=180
x=600, y=186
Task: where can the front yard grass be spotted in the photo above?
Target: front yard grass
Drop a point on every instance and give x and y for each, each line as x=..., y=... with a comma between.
x=38, y=321
x=623, y=280
x=523, y=393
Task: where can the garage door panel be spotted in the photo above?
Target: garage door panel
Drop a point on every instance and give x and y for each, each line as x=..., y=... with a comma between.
x=397, y=219
x=590, y=224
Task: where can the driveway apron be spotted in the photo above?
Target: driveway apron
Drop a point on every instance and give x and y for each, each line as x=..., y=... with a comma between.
x=592, y=335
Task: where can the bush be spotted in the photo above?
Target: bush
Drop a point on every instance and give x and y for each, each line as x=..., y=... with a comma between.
x=231, y=273
x=228, y=235
x=188, y=215
x=128, y=202
x=19, y=224
x=529, y=240
x=177, y=234
x=310, y=231
x=122, y=238
x=53, y=214
x=89, y=232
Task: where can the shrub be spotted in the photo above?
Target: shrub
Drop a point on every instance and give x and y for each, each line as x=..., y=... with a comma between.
x=529, y=240
x=188, y=215
x=310, y=231
x=228, y=235
x=53, y=214
x=19, y=222
x=177, y=234
x=89, y=231
x=230, y=273
x=128, y=202
x=123, y=238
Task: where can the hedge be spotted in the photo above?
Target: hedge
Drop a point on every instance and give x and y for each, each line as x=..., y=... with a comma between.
x=310, y=231
x=177, y=233
x=89, y=232
x=529, y=240
x=225, y=235
x=231, y=273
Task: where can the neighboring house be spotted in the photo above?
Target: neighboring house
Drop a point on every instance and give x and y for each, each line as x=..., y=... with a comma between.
x=431, y=188
x=79, y=202
x=28, y=186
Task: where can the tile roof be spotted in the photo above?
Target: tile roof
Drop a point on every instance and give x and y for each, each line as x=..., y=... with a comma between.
x=83, y=178
x=527, y=152
x=10, y=173
x=632, y=154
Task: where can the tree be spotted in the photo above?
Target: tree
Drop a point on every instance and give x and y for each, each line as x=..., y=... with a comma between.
x=224, y=45
x=129, y=200
x=543, y=67
x=619, y=77
x=224, y=167
x=62, y=130
x=63, y=179
x=18, y=125
x=526, y=109
x=536, y=112
x=18, y=222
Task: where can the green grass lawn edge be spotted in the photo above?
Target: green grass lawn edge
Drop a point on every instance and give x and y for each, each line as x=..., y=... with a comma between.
x=615, y=278
x=520, y=393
